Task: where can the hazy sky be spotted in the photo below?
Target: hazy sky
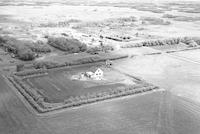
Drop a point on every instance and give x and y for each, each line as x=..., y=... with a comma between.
x=90, y=1
x=126, y=0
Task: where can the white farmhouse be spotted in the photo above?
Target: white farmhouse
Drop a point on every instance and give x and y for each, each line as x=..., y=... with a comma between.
x=98, y=74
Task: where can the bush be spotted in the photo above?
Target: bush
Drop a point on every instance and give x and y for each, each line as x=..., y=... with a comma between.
x=98, y=49
x=30, y=72
x=39, y=47
x=26, y=54
x=67, y=44
x=192, y=43
x=2, y=40
x=197, y=40
x=106, y=48
x=94, y=50
x=45, y=64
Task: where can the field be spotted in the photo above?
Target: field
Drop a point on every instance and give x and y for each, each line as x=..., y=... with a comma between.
x=156, y=113
x=161, y=69
x=58, y=85
x=47, y=101
x=192, y=55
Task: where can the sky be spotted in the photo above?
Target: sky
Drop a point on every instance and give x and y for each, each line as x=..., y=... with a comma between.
x=124, y=1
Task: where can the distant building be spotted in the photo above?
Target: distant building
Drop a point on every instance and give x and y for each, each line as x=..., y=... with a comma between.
x=108, y=63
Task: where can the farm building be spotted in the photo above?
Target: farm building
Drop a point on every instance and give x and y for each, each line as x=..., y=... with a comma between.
x=96, y=75
x=108, y=63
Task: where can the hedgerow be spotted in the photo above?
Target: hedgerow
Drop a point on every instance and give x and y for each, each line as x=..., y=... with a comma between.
x=92, y=59
x=45, y=64
x=33, y=100
x=41, y=104
x=30, y=72
x=191, y=42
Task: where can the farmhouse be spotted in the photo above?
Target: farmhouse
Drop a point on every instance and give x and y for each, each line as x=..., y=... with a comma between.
x=96, y=75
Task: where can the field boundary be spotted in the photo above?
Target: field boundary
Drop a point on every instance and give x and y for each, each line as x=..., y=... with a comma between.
x=189, y=41
x=41, y=106
x=186, y=49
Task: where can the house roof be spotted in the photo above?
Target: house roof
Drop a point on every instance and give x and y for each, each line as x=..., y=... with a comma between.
x=94, y=69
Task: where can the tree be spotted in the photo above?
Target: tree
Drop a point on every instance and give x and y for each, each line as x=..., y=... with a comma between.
x=70, y=45
x=26, y=54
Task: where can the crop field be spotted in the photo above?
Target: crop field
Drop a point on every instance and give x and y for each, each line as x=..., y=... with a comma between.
x=58, y=85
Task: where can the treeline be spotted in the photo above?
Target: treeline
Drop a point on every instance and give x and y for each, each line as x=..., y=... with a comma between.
x=190, y=42
x=30, y=72
x=24, y=50
x=111, y=22
x=111, y=93
x=121, y=19
x=69, y=45
x=99, y=49
x=92, y=59
x=40, y=67
x=60, y=23
x=41, y=103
